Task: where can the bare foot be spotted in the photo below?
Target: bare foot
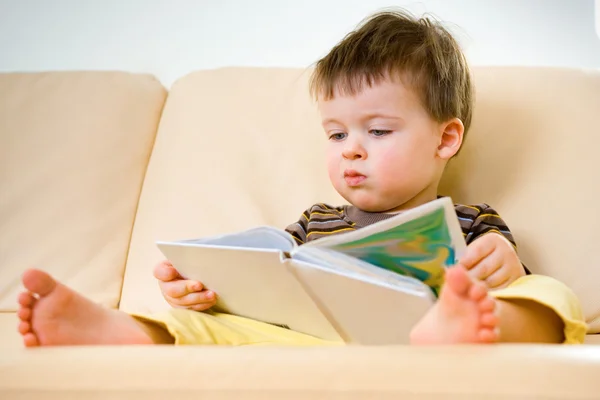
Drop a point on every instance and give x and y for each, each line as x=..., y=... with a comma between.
x=52, y=314
x=464, y=313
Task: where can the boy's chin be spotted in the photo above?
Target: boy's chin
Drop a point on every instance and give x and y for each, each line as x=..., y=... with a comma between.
x=368, y=204
x=373, y=209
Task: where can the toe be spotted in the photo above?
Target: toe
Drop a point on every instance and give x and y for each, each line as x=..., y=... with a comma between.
x=39, y=282
x=487, y=335
x=26, y=299
x=478, y=291
x=30, y=340
x=488, y=304
x=24, y=327
x=458, y=280
x=24, y=313
x=489, y=320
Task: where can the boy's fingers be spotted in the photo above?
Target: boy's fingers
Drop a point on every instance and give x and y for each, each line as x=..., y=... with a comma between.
x=192, y=300
x=164, y=271
x=498, y=279
x=202, y=307
x=487, y=266
x=477, y=251
x=179, y=288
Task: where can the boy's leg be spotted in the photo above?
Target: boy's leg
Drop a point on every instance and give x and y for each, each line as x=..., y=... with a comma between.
x=540, y=309
x=53, y=314
x=200, y=328
x=533, y=309
x=525, y=321
x=464, y=313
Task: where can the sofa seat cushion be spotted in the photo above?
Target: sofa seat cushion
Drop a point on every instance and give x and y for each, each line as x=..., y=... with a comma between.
x=516, y=372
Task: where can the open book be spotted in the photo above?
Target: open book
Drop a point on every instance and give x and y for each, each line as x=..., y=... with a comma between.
x=368, y=286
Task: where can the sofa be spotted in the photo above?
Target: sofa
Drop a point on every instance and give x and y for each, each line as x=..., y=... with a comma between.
x=95, y=167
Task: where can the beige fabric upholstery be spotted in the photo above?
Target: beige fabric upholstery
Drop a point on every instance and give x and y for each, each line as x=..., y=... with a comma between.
x=241, y=139
x=353, y=373
x=592, y=339
x=10, y=338
x=73, y=153
x=74, y=150
x=531, y=155
x=244, y=139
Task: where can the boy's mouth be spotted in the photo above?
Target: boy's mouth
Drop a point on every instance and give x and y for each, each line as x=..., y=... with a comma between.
x=353, y=178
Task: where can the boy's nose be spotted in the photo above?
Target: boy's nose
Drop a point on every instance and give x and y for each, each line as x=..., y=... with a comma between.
x=354, y=151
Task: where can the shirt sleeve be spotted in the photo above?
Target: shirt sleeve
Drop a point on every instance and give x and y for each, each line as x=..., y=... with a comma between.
x=299, y=229
x=319, y=221
x=488, y=221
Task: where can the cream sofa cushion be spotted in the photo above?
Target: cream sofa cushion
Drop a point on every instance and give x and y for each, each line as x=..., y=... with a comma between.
x=239, y=147
x=467, y=372
x=74, y=147
x=236, y=148
x=531, y=155
x=592, y=339
x=8, y=332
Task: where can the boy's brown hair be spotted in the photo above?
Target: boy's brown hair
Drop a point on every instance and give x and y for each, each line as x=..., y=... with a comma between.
x=421, y=52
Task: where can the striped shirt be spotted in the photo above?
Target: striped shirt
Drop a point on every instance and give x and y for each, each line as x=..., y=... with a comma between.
x=322, y=220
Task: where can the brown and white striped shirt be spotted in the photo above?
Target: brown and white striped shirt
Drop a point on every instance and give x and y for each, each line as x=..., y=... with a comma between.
x=322, y=220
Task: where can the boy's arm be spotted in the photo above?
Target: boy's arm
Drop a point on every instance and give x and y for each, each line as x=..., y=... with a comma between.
x=299, y=229
x=489, y=221
x=319, y=221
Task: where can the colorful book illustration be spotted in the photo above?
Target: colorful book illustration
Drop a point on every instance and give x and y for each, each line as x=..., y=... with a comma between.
x=421, y=248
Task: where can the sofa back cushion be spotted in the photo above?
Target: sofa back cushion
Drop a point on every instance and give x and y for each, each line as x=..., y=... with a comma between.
x=236, y=148
x=74, y=147
x=240, y=147
x=531, y=155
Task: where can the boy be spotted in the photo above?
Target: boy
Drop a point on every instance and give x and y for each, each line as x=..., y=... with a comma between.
x=395, y=99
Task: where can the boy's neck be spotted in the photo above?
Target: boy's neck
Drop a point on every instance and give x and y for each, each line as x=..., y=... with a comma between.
x=364, y=218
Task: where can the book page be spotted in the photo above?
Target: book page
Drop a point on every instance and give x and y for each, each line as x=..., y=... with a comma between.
x=251, y=283
x=263, y=237
x=342, y=264
x=362, y=311
x=419, y=243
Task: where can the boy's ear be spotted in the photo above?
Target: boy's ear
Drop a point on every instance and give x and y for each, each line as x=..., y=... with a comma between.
x=451, y=138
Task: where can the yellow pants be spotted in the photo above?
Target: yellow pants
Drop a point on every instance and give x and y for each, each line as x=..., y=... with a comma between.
x=192, y=327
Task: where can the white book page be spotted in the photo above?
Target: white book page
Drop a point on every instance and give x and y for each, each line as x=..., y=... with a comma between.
x=362, y=311
x=263, y=237
x=355, y=268
x=251, y=283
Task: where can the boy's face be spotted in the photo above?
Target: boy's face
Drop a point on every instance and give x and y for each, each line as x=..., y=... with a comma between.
x=383, y=147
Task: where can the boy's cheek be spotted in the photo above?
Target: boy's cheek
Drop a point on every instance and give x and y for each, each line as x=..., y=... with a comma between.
x=333, y=164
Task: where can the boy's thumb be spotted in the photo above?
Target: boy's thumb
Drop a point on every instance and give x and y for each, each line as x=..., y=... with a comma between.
x=165, y=272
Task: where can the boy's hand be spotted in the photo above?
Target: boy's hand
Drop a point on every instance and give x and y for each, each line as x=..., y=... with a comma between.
x=492, y=258
x=182, y=293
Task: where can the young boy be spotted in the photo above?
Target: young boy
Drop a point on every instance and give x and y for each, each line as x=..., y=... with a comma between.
x=396, y=100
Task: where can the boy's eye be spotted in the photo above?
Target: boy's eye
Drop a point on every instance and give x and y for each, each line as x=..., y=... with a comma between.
x=379, y=132
x=337, y=136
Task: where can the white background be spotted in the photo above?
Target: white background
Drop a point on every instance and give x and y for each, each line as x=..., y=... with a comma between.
x=172, y=38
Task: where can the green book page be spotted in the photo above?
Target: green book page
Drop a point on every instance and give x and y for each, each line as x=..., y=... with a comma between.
x=421, y=248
